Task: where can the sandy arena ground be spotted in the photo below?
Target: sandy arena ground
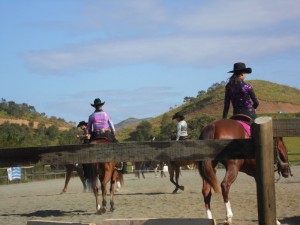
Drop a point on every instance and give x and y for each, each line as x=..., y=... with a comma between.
x=145, y=198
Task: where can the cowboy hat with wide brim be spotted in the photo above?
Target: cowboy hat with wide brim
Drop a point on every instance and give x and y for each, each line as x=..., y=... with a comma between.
x=178, y=115
x=97, y=102
x=240, y=68
x=82, y=123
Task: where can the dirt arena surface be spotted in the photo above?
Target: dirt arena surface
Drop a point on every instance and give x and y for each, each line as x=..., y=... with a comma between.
x=145, y=198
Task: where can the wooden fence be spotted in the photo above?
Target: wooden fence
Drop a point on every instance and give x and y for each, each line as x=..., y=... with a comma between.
x=259, y=147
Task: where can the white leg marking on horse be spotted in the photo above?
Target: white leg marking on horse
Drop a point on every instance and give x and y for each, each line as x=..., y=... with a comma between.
x=209, y=214
x=229, y=213
x=277, y=222
x=98, y=207
x=118, y=184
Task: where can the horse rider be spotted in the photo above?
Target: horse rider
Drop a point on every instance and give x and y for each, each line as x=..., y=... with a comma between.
x=181, y=133
x=239, y=93
x=85, y=137
x=100, y=123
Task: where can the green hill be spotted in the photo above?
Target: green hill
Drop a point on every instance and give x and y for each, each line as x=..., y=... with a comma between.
x=277, y=100
x=24, y=114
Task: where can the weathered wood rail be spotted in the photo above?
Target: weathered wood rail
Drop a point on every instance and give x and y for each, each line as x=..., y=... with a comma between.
x=142, y=151
x=129, y=151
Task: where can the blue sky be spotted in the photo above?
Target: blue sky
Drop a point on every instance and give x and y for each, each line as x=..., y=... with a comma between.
x=139, y=56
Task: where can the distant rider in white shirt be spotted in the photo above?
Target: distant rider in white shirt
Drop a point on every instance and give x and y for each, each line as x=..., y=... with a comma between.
x=181, y=127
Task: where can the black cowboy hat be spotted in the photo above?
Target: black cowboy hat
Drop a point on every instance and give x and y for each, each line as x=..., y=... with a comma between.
x=82, y=123
x=240, y=67
x=97, y=102
x=178, y=115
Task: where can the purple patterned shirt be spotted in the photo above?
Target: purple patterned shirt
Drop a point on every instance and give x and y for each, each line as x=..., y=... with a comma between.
x=100, y=121
x=242, y=97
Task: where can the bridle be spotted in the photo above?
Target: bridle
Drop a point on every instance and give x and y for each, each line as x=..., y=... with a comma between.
x=280, y=164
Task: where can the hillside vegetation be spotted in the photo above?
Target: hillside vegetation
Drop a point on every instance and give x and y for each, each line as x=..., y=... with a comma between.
x=22, y=126
x=278, y=101
x=24, y=114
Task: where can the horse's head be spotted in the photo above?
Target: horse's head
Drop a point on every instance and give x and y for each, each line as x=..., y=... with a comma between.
x=281, y=157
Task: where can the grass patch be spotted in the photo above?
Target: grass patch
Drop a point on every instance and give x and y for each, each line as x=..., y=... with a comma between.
x=293, y=146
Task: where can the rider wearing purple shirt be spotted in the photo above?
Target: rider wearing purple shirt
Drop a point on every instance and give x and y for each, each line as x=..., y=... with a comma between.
x=239, y=93
x=99, y=122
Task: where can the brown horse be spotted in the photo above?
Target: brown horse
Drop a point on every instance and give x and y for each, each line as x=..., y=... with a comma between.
x=69, y=170
x=106, y=172
x=142, y=167
x=174, y=168
x=232, y=129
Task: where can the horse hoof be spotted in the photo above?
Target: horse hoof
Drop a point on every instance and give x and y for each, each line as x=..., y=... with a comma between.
x=175, y=191
x=112, y=209
x=181, y=188
x=103, y=210
x=227, y=222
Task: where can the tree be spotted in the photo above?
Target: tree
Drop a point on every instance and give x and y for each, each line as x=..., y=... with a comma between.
x=215, y=86
x=52, y=132
x=202, y=92
x=196, y=125
x=143, y=132
x=166, y=128
x=188, y=99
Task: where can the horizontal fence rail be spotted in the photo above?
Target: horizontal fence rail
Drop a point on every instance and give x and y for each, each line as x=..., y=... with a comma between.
x=129, y=151
x=286, y=128
x=194, y=150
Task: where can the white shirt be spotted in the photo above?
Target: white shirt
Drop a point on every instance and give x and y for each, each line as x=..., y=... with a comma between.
x=181, y=129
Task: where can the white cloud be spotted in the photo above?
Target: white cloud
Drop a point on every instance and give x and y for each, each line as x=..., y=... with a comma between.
x=174, y=50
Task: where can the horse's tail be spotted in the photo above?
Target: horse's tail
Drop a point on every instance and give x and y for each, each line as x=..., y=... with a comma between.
x=206, y=168
x=90, y=174
x=208, y=173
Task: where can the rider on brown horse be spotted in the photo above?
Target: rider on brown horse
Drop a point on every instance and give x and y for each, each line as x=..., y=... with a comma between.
x=181, y=133
x=100, y=125
x=239, y=93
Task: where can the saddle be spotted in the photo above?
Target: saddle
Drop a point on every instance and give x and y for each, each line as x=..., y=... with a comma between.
x=106, y=135
x=242, y=117
x=245, y=121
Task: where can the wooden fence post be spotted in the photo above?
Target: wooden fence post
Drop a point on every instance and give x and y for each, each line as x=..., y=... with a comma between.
x=262, y=134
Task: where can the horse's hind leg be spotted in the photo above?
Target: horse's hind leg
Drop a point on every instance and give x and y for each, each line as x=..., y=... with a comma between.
x=171, y=173
x=174, y=170
x=95, y=190
x=81, y=176
x=177, y=173
x=206, y=192
x=69, y=170
x=112, y=189
x=230, y=177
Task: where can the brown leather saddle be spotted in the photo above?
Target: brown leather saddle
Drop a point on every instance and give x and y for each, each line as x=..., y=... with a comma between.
x=242, y=117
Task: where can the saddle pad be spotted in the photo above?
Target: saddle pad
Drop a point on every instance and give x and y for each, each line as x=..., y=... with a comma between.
x=246, y=127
